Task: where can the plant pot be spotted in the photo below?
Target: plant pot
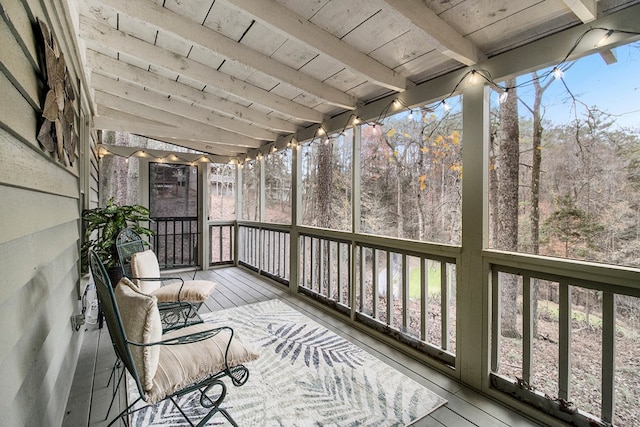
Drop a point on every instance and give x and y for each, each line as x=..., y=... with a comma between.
x=115, y=274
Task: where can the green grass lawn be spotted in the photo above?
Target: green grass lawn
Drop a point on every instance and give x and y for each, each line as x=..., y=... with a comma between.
x=433, y=282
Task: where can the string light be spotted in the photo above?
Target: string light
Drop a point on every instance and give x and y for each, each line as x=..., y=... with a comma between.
x=503, y=96
x=473, y=77
x=557, y=73
x=604, y=39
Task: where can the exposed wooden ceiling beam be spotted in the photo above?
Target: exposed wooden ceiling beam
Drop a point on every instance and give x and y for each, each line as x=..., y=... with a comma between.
x=585, y=10
x=138, y=94
x=203, y=146
x=443, y=37
x=109, y=119
x=192, y=128
x=292, y=25
x=153, y=81
x=195, y=33
x=124, y=117
x=119, y=41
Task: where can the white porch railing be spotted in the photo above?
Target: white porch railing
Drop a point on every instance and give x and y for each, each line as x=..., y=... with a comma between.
x=390, y=285
x=578, y=302
x=407, y=291
x=265, y=249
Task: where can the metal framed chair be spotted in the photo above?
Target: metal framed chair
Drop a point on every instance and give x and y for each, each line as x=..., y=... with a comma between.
x=140, y=264
x=157, y=361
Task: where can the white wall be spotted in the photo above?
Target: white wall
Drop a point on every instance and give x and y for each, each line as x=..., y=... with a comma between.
x=40, y=205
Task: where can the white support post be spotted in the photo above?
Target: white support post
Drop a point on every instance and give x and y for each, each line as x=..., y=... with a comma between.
x=355, y=221
x=608, y=355
x=203, y=208
x=472, y=298
x=296, y=212
x=238, y=195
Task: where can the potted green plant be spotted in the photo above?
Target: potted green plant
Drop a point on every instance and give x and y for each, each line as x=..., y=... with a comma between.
x=102, y=227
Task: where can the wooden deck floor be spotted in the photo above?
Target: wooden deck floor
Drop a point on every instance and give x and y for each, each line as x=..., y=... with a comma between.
x=90, y=396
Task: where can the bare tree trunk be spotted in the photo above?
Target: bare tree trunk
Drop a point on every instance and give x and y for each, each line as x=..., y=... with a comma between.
x=493, y=191
x=399, y=207
x=323, y=190
x=323, y=206
x=509, y=161
x=535, y=186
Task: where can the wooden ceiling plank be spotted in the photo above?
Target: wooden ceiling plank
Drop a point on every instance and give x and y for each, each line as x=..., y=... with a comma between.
x=152, y=81
x=443, y=37
x=119, y=41
x=289, y=23
x=171, y=22
x=191, y=127
x=585, y=10
x=156, y=100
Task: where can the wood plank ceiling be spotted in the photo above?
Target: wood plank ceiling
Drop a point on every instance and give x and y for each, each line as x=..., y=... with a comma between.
x=227, y=76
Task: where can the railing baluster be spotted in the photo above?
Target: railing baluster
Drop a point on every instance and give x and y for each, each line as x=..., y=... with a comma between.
x=527, y=328
x=339, y=284
x=608, y=355
x=303, y=276
x=361, y=281
x=496, y=288
x=405, y=292
x=424, y=295
x=374, y=281
x=330, y=275
x=444, y=306
x=564, y=316
x=389, y=290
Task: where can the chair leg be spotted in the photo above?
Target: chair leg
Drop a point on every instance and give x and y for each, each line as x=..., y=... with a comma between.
x=115, y=389
x=124, y=412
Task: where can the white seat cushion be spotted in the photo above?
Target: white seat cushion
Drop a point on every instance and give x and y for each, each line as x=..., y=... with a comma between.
x=182, y=365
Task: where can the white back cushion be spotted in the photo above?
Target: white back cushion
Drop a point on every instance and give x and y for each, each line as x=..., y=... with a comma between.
x=145, y=264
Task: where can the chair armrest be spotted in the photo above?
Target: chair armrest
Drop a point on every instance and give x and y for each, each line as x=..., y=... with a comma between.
x=188, y=338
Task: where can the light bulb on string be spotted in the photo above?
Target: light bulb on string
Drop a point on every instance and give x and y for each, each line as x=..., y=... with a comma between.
x=473, y=77
x=445, y=105
x=558, y=73
x=410, y=116
x=604, y=39
x=503, y=96
x=375, y=129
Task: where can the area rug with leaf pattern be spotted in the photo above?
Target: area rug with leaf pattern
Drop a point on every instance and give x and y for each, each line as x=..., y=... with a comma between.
x=306, y=375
